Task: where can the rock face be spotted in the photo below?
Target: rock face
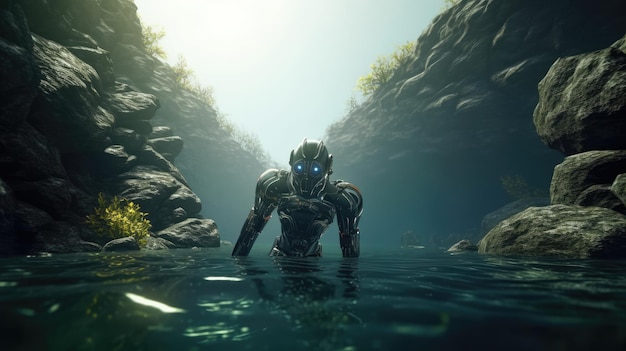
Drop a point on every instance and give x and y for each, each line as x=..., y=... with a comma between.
x=74, y=122
x=221, y=173
x=581, y=112
x=436, y=139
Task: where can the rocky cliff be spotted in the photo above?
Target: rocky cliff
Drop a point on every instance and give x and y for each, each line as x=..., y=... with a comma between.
x=84, y=110
x=582, y=113
x=429, y=148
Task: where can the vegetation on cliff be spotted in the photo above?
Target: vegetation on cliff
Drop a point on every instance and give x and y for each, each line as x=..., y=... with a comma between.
x=383, y=69
x=119, y=218
x=151, y=38
x=185, y=79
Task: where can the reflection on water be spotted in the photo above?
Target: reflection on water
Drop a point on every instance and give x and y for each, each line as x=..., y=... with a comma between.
x=204, y=299
x=294, y=290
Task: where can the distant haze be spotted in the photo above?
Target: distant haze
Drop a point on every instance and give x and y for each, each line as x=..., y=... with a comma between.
x=284, y=69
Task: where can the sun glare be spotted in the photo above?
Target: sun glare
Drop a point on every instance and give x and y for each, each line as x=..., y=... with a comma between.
x=235, y=27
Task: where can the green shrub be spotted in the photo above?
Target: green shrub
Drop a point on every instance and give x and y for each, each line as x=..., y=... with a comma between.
x=119, y=218
x=151, y=38
x=186, y=79
x=383, y=69
x=183, y=74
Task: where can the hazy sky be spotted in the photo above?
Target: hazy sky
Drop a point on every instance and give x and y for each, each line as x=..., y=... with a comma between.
x=284, y=69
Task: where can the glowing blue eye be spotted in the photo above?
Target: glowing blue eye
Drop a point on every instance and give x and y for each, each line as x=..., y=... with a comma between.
x=316, y=169
x=299, y=167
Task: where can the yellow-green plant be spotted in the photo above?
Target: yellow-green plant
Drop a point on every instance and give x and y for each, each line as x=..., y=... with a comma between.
x=183, y=73
x=119, y=218
x=383, y=69
x=151, y=38
x=186, y=79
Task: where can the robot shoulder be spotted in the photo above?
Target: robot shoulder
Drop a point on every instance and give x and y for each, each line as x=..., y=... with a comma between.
x=348, y=196
x=272, y=183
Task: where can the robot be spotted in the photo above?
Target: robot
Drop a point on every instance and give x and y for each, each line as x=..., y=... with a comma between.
x=306, y=202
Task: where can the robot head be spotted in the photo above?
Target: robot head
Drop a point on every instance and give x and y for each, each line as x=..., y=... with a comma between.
x=311, y=164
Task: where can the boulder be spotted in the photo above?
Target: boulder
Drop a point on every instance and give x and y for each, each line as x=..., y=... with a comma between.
x=161, y=132
x=600, y=195
x=148, y=156
x=581, y=171
x=169, y=146
x=146, y=186
x=582, y=103
x=132, y=106
x=493, y=218
x=158, y=244
x=181, y=204
x=131, y=140
x=462, y=246
x=122, y=244
x=99, y=59
x=559, y=231
x=115, y=160
x=158, y=193
x=141, y=127
x=192, y=232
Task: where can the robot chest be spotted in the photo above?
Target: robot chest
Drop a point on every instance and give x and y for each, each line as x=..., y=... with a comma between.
x=305, y=216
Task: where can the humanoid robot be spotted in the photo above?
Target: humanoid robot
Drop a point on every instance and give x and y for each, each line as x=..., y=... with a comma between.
x=307, y=203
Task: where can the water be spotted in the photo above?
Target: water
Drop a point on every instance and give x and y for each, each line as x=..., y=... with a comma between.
x=392, y=300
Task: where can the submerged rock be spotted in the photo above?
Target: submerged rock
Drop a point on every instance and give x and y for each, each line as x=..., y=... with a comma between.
x=559, y=231
x=122, y=244
x=192, y=232
x=462, y=246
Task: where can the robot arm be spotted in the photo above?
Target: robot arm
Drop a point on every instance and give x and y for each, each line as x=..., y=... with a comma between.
x=348, y=215
x=264, y=204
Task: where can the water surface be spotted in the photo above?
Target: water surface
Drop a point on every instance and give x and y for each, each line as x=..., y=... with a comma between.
x=409, y=299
